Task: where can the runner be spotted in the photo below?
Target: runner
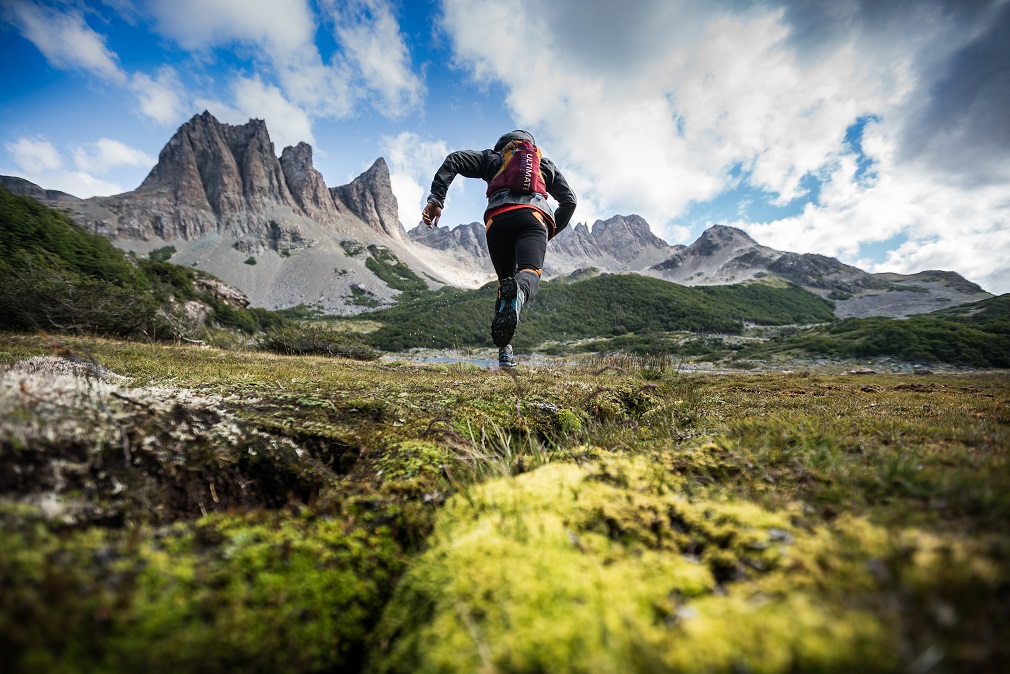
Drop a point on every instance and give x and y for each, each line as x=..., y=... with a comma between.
x=518, y=220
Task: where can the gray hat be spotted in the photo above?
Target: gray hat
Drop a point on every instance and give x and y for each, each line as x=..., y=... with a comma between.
x=518, y=134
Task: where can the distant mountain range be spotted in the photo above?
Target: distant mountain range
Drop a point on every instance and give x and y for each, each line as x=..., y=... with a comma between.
x=721, y=256
x=270, y=226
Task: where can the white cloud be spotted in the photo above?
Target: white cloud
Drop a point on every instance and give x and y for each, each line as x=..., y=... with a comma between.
x=281, y=36
x=651, y=106
x=287, y=123
x=105, y=154
x=65, y=39
x=373, y=46
x=38, y=161
x=660, y=124
x=412, y=162
x=35, y=155
x=159, y=96
x=283, y=27
x=373, y=59
x=947, y=226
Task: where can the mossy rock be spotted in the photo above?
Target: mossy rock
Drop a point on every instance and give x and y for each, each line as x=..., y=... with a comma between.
x=611, y=568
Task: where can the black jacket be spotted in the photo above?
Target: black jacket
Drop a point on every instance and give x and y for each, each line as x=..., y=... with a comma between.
x=485, y=164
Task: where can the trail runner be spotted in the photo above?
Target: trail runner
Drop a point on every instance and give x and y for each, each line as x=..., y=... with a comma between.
x=518, y=220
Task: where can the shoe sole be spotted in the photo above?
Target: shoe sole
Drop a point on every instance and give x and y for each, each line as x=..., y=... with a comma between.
x=504, y=324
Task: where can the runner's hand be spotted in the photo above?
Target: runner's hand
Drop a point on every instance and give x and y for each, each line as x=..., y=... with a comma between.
x=431, y=213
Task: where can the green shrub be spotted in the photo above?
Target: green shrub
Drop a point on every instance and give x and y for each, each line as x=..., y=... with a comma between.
x=974, y=335
x=300, y=339
x=60, y=277
x=31, y=226
x=163, y=254
x=40, y=292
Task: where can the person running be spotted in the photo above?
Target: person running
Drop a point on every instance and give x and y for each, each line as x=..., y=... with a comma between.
x=518, y=220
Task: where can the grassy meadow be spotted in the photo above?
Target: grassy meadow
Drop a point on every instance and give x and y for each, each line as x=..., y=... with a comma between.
x=198, y=509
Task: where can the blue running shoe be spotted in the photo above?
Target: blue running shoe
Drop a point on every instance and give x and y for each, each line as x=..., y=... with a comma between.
x=505, y=357
x=510, y=303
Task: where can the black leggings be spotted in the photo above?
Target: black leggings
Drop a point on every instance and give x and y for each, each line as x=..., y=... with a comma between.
x=517, y=242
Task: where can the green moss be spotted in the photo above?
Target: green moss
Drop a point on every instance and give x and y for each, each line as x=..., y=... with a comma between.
x=611, y=569
x=606, y=570
x=569, y=421
x=263, y=593
x=414, y=458
x=763, y=522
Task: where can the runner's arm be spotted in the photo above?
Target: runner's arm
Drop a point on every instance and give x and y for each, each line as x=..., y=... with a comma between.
x=558, y=188
x=467, y=163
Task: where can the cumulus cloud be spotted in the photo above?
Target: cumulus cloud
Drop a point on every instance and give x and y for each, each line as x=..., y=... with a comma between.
x=287, y=123
x=655, y=106
x=39, y=161
x=159, y=96
x=198, y=24
x=280, y=36
x=373, y=46
x=65, y=39
x=372, y=60
x=106, y=154
x=35, y=155
x=662, y=121
x=947, y=226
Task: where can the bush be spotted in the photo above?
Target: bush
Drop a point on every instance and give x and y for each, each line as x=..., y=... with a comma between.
x=59, y=277
x=393, y=272
x=41, y=292
x=298, y=339
x=31, y=226
x=163, y=254
x=612, y=305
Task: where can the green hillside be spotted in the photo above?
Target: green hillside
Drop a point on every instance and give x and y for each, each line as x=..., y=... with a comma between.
x=976, y=335
x=610, y=305
x=59, y=277
x=32, y=232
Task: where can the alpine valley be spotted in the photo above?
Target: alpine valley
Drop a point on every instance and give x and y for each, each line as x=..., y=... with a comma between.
x=220, y=199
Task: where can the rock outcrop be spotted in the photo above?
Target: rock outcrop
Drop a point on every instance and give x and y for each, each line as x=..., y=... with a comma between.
x=306, y=183
x=221, y=179
x=210, y=178
x=370, y=197
x=576, y=241
x=626, y=237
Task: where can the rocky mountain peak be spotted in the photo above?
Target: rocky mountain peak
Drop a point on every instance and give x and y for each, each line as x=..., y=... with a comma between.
x=626, y=236
x=219, y=167
x=721, y=237
x=370, y=197
x=306, y=183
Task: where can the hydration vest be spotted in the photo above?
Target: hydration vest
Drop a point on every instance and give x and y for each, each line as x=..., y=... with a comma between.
x=520, y=170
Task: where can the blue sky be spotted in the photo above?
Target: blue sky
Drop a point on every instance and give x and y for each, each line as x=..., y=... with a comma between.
x=874, y=131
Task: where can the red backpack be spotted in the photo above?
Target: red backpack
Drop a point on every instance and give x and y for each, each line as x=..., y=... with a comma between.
x=520, y=170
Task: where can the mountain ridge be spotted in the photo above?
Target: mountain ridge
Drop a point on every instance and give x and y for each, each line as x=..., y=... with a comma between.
x=271, y=226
